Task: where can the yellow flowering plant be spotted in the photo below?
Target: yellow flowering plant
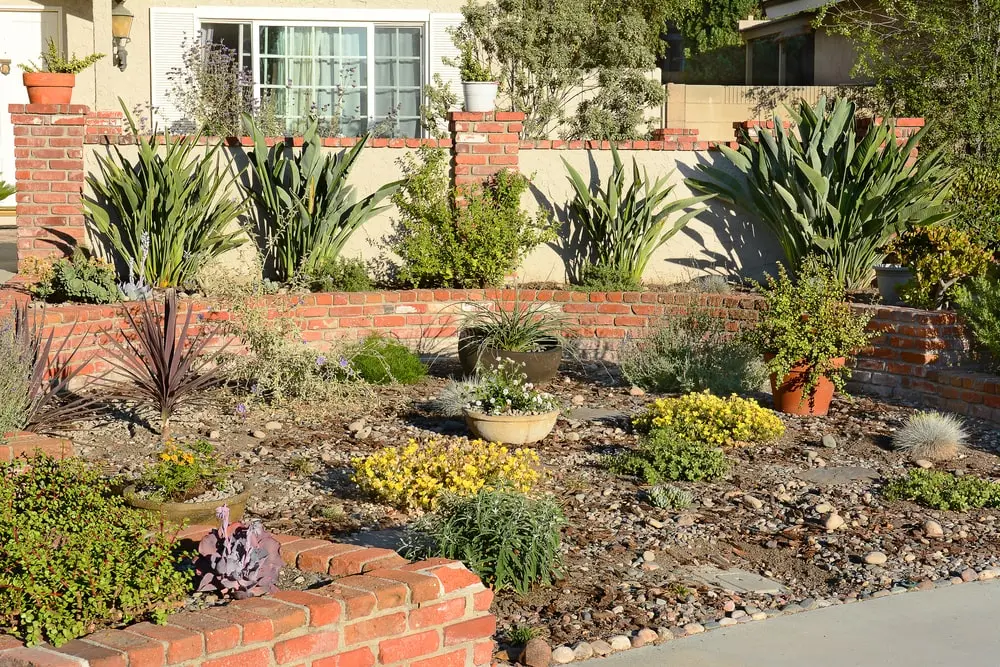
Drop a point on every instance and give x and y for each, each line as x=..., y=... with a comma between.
x=414, y=475
x=704, y=417
x=183, y=471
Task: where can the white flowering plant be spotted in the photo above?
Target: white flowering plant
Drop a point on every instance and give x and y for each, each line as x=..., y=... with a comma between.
x=505, y=390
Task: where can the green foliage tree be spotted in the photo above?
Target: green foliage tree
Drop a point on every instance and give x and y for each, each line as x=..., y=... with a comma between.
x=548, y=53
x=713, y=48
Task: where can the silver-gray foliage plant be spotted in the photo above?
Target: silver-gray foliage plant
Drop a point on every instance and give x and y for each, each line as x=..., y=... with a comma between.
x=241, y=564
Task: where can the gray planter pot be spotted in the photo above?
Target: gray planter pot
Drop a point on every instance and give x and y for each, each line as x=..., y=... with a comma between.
x=891, y=277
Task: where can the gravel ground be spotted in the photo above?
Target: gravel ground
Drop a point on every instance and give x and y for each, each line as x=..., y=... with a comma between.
x=801, y=512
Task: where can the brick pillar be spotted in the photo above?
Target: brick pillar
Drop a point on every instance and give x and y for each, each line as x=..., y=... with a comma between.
x=48, y=168
x=677, y=139
x=483, y=144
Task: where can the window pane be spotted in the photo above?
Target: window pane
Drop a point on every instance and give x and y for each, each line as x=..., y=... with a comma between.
x=408, y=128
x=272, y=40
x=302, y=42
x=385, y=43
x=353, y=42
x=409, y=103
x=409, y=73
x=408, y=42
x=385, y=102
x=385, y=73
x=398, y=80
x=272, y=72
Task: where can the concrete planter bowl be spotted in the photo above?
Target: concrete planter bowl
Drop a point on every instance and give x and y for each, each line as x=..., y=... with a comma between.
x=511, y=429
x=538, y=367
x=194, y=513
x=890, y=278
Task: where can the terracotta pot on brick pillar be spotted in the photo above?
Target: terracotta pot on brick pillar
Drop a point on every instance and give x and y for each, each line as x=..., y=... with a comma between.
x=790, y=398
x=49, y=87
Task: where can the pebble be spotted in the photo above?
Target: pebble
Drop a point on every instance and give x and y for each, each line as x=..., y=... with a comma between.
x=653, y=523
x=694, y=628
x=601, y=648
x=829, y=441
x=759, y=616
x=582, y=651
x=620, y=643
x=649, y=556
x=273, y=426
x=356, y=426
x=933, y=529
x=925, y=585
x=536, y=653
x=986, y=575
x=636, y=391
x=727, y=621
x=579, y=400
x=969, y=575
x=214, y=435
x=563, y=655
x=834, y=521
x=729, y=606
x=755, y=503
x=648, y=635
x=260, y=435
x=823, y=508
x=876, y=558
x=923, y=463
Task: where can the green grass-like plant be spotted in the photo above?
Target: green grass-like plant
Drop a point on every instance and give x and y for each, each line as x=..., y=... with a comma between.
x=824, y=191
x=167, y=213
x=304, y=208
x=380, y=359
x=513, y=327
x=621, y=227
x=509, y=539
x=75, y=556
x=662, y=455
x=944, y=491
x=54, y=60
x=692, y=353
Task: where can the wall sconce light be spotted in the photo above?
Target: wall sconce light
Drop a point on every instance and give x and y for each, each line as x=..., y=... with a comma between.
x=5, y=67
x=121, y=26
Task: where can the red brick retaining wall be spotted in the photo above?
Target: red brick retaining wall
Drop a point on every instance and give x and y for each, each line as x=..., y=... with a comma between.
x=912, y=358
x=380, y=610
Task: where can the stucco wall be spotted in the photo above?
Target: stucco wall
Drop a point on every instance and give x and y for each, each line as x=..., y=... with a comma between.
x=721, y=242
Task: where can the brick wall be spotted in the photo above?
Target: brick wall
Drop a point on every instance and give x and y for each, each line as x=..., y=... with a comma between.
x=380, y=610
x=484, y=144
x=912, y=358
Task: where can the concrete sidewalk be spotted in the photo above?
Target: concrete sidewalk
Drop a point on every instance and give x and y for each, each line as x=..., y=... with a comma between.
x=939, y=628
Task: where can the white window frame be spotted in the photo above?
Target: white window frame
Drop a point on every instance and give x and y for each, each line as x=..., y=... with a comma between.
x=324, y=17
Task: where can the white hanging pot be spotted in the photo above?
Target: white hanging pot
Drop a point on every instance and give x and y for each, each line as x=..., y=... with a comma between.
x=480, y=96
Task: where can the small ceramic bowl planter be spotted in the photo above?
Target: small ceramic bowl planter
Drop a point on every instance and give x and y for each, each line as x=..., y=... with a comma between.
x=188, y=483
x=506, y=408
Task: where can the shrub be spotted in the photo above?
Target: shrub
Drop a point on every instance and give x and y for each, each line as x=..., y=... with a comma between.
x=663, y=455
x=513, y=327
x=932, y=436
x=165, y=214
x=979, y=304
x=940, y=258
x=510, y=540
x=602, y=278
x=414, y=476
x=692, y=353
x=35, y=374
x=340, y=275
x=823, y=191
x=53, y=60
x=505, y=390
x=808, y=322
x=183, y=471
x=976, y=200
x=944, y=491
x=162, y=361
x=703, y=417
x=304, y=209
x=81, y=279
x=665, y=496
x=75, y=556
x=383, y=360
x=213, y=90
x=279, y=365
x=622, y=227
x=440, y=243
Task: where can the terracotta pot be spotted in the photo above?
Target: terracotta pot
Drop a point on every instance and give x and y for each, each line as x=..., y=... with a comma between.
x=49, y=87
x=540, y=366
x=511, y=429
x=789, y=398
x=193, y=513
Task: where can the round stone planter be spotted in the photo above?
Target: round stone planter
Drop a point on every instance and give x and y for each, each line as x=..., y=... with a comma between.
x=890, y=278
x=539, y=367
x=193, y=513
x=511, y=429
x=480, y=96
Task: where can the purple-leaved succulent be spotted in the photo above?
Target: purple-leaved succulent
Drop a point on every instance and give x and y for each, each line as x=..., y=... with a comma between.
x=242, y=564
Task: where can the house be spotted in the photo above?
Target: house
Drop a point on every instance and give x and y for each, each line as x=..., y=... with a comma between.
x=298, y=51
x=784, y=49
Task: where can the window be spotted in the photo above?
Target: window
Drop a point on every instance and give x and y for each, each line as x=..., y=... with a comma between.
x=398, y=74
x=352, y=78
x=764, y=63
x=788, y=61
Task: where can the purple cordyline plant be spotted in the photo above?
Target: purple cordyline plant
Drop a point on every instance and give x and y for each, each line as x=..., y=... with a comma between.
x=240, y=563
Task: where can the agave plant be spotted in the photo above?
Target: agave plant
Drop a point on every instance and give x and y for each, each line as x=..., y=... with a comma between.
x=623, y=226
x=37, y=373
x=166, y=213
x=163, y=361
x=305, y=211
x=825, y=192
x=240, y=563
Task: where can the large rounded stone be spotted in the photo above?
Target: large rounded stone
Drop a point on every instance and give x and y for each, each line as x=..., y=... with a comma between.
x=563, y=655
x=536, y=653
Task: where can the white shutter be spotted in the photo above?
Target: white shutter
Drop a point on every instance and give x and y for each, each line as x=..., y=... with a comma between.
x=442, y=46
x=171, y=30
